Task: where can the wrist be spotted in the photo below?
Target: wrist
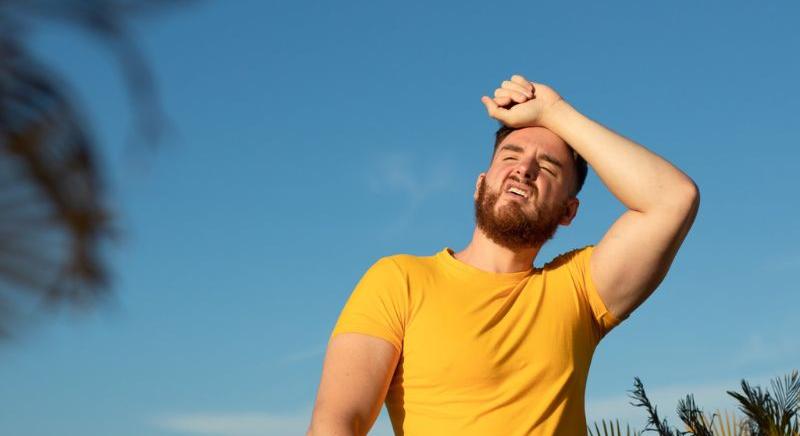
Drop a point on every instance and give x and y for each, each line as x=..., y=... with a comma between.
x=554, y=113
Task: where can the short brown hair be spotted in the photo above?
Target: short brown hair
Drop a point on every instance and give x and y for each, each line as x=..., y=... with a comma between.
x=581, y=167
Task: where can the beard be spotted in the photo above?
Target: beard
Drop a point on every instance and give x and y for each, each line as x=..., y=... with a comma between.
x=511, y=226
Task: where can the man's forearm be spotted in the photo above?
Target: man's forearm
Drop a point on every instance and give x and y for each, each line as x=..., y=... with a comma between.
x=639, y=178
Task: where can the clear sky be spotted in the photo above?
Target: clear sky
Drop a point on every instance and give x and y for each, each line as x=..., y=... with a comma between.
x=308, y=139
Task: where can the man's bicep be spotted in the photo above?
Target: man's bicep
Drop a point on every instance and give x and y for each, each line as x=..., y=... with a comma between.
x=355, y=378
x=633, y=257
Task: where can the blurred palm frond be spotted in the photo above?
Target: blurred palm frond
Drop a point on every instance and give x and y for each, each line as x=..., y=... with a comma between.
x=53, y=216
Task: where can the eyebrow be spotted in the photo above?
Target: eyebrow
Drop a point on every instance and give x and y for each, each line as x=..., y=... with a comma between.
x=543, y=156
x=512, y=147
x=551, y=159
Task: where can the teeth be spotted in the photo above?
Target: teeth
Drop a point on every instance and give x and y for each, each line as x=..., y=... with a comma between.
x=518, y=191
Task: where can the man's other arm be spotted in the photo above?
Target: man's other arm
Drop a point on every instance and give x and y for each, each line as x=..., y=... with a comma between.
x=635, y=254
x=355, y=378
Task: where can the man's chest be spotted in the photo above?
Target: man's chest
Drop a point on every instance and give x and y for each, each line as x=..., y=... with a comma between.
x=458, y=338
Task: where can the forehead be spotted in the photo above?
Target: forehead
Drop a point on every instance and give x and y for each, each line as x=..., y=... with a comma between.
x=534, y=138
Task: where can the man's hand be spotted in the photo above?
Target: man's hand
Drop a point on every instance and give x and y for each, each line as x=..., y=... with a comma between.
x=520, y=103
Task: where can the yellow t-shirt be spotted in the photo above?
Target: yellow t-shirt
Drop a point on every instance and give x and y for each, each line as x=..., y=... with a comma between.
x=483, y=353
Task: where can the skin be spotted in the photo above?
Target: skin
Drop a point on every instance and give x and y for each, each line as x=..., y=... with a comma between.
x=355, y=378
x=627, y=264
x=543, y=160
x=634, y=255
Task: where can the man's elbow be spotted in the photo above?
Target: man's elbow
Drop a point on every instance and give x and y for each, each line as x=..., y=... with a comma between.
x=683, y=199
x=693, y=196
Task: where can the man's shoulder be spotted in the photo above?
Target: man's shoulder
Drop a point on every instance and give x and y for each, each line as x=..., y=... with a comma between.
x=568, y=257
x=407, y=264
x=405, y=261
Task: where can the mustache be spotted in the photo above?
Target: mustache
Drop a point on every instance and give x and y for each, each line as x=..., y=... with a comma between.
x=517, y=179
x=521, y=181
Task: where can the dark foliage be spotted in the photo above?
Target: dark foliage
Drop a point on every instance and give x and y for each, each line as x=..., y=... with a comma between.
x=772, y=414
x=53, y=214
x=693, y=417
x=612, y=428
x=775, y=413
x=654, y=423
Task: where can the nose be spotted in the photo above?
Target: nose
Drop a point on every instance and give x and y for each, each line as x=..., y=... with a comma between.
x=527, y=169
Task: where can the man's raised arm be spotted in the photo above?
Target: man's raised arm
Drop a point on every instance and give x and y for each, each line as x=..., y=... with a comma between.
x=633, y=257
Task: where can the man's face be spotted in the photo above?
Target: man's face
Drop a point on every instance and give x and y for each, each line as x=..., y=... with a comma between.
x=526, y=193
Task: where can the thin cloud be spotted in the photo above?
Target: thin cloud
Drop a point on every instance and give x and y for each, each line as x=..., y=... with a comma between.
x=416, y=179
x=236, y=424
x=250, y=423
x=301, y=355
x=779, y=346
x=789, y=263
x=710, y=397
x=407, y=174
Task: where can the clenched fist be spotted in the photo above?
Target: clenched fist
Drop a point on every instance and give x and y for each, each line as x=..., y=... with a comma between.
x=520, y=103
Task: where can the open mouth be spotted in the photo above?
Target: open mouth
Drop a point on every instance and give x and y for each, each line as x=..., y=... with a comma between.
x=518, y=192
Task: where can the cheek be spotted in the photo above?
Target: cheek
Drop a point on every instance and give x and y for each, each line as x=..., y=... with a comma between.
x=551, y=191
x=492, y=180
x=496, y=174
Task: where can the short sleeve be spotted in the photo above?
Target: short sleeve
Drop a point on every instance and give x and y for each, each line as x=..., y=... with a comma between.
x=378, y=305
x=579, y=268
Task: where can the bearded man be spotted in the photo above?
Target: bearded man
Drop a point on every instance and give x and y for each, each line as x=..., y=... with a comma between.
x=480, y=342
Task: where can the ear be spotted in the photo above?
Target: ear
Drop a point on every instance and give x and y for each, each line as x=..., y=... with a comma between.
x=481, y=176
x=570, y=212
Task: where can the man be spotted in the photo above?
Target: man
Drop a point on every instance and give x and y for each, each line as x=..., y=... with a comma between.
x=479, y=342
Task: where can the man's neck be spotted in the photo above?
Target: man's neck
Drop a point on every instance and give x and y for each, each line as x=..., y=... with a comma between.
x=485, y=254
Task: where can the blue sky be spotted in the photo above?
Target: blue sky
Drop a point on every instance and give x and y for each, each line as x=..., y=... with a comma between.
x=308, y=139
